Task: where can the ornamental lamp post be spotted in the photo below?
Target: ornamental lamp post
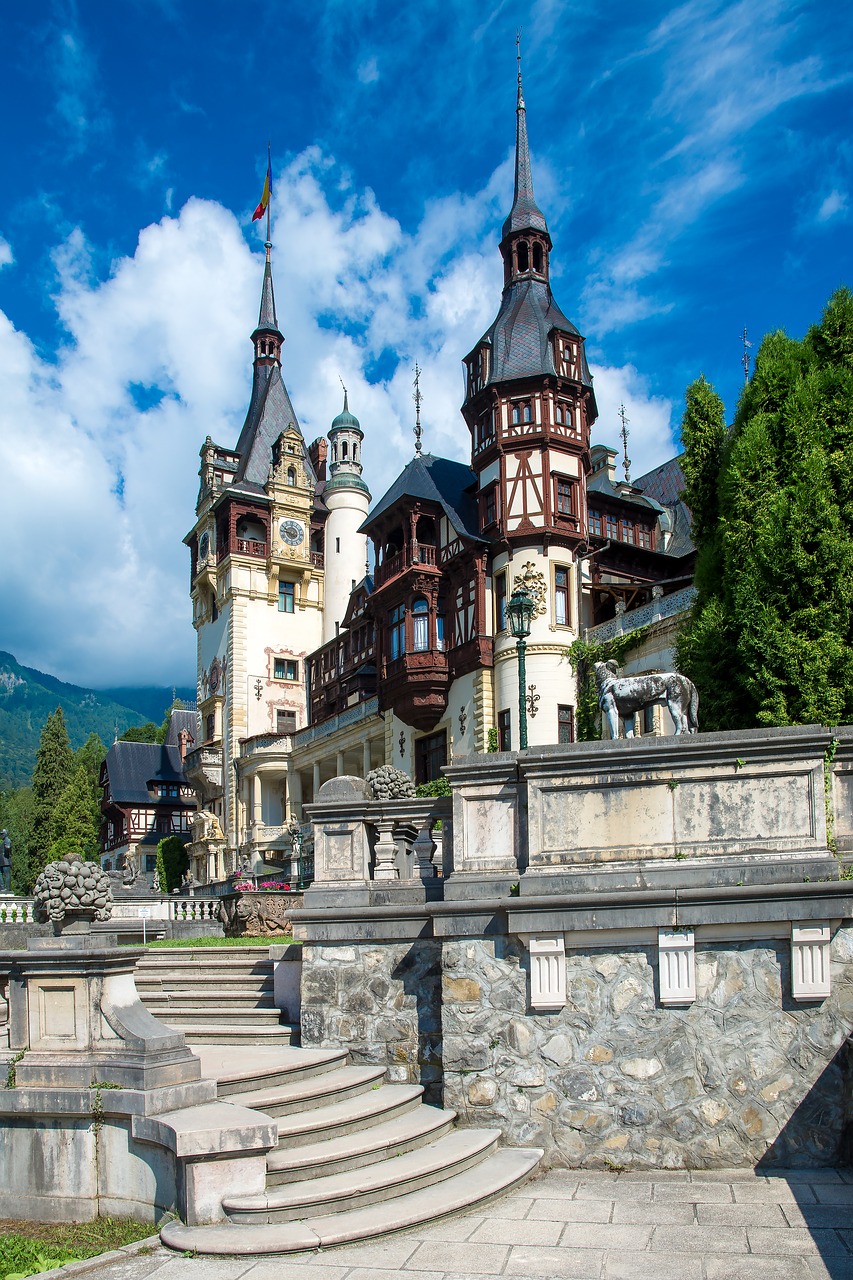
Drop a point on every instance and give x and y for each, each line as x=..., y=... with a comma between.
x=520, y=613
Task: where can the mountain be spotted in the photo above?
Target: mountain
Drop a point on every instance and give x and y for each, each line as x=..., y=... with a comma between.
x=150, y=701
x=27, y=697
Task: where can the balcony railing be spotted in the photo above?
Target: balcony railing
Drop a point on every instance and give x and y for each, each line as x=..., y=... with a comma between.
x=318, y=559
x=249, y=547
x=633, y=619
x=411, y=556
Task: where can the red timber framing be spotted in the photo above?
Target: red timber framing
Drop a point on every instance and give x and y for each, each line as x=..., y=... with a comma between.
x=229, y=516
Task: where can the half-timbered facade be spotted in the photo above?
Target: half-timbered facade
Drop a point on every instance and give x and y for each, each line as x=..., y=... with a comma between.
x=312, y=666
x=145, y=796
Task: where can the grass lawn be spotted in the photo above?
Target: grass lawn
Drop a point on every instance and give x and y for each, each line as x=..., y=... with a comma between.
x=30, y=1247
x=190, y=944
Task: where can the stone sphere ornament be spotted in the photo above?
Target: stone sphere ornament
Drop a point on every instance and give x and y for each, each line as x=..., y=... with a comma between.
x=70, y=892
x=388, y=783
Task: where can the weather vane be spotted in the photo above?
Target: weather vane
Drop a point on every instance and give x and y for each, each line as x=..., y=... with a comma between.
x=417, y=397
x=518, y=60
x=624, y=433
x=341, y=381
x=745, y=357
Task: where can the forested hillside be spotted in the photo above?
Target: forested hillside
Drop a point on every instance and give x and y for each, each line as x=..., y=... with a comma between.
x=27, y=698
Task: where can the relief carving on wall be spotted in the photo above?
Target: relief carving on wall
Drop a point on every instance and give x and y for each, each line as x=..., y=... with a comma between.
x=535, y=585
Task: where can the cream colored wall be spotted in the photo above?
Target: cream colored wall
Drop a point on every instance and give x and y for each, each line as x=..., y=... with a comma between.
x=547, y=666
x=348, y=508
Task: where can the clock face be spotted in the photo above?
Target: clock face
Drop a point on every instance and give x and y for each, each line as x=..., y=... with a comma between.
x=291, y=532
x=203, y=546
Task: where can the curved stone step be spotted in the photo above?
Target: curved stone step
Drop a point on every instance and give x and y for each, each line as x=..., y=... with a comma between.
x=309, y=1063
x=490, y=1178
x=186, y=1017
x=314, y=1091
x=360, y=1112
x=357, y=1150
x=385, y=1180
x=236, y=1033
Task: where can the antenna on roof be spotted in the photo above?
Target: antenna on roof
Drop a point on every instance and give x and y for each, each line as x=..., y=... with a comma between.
x=417, y=397
x=624, y=433
x=745, y=357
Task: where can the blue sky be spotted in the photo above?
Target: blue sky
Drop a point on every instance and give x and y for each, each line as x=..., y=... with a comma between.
x=693, y=161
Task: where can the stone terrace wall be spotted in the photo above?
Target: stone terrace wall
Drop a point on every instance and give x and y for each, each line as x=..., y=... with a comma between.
x=382, y=1001
x=739, y=1076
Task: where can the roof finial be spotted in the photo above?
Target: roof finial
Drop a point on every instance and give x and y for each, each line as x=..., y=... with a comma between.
x=624, y=433
x=745, y=357
x=520, y=104
x=417, y=397
x=346, y=402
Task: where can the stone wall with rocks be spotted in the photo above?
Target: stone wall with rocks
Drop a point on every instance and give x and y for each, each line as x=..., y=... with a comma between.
x=382, y=1001
x=743, y=1075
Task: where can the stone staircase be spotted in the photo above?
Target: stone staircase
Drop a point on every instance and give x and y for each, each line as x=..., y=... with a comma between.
x=214, y=995
x=356, y=1157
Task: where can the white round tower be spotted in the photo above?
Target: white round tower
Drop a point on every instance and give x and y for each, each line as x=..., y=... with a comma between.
x=348, y=499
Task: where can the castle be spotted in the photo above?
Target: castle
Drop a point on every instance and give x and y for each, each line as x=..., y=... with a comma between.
x=311, y=666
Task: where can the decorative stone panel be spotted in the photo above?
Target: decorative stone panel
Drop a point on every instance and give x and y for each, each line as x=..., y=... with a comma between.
x=547, y=973
x=677, y=966
x=810, y=975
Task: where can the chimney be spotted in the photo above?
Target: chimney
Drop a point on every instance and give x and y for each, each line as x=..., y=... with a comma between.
x=318, y=452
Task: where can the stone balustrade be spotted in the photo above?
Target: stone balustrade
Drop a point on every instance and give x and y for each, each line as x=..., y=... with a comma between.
x=16, y=911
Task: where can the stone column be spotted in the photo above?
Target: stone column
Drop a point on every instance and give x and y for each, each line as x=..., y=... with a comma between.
x=365, y=757
x=316, y=779
x=339, y=764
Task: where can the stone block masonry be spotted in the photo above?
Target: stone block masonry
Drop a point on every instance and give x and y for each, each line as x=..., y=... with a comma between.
x=614, y=1079
x=383, y=1001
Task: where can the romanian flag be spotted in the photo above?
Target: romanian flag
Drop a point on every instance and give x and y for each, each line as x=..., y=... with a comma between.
x=265, y=196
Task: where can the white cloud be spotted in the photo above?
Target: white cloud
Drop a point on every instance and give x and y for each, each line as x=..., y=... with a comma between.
x=651, y=439
x=368, y=71
x=835, y=205
x=102, y=442
x=7, y=257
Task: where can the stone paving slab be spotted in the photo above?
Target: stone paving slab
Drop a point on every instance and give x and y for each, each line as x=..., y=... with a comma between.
x=566, y=1225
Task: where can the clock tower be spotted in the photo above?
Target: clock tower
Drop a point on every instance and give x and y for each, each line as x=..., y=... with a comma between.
x=258, y=594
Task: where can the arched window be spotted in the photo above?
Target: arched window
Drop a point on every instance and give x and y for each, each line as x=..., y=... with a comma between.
x=527, y=412
x=355, y=453
x=538, y=258
x=420, y=625
x=291, y=476
x=522, y=256
x=344, y=448
x=334, y=453
x=396, y=633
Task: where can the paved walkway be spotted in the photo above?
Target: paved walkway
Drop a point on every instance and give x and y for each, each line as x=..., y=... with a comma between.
x=715, y=1225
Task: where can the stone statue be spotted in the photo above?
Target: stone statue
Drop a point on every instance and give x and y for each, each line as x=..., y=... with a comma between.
x=205, y=826
x=624, y=695
x=5, y=862
x=388, y=783
x=73, y=888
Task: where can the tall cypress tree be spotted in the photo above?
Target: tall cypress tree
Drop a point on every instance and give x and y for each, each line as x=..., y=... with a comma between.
x=770, y=639
x=72, y=828
x=52, y=774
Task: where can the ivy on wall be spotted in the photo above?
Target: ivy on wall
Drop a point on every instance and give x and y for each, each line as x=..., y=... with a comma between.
x=583, y=655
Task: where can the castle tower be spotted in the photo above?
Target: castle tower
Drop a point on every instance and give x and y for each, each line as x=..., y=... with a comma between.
x=348, y=499
x=257, y=594
x=529, y=407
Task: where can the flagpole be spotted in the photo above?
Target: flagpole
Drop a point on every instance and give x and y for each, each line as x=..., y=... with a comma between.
x=269, y=202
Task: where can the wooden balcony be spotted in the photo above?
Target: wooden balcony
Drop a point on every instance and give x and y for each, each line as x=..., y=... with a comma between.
x=418, y=556
x=415, y=685
x=248, y=547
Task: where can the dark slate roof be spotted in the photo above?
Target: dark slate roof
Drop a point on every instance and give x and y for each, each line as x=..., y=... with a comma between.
x=270, y=412
x=437, y=480
x=665, y=483
x=601, y=483
x=266, y=315
x=178, y=721
x=270, y=409
x=132, y=765
x=525, y=213
x=520, y=334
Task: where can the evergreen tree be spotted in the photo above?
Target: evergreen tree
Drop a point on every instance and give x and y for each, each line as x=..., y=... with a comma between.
x=770, y=640
x=141, y=733
x=53, y=772
x=91, y=756
x=172, y=862
x=16, y=816
x=72, y=826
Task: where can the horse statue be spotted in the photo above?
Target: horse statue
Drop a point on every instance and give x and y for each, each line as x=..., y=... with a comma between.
x=624, y=695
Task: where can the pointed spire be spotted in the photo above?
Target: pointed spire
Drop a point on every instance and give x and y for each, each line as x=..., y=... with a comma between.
x=525, y=213
x=266, y=317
